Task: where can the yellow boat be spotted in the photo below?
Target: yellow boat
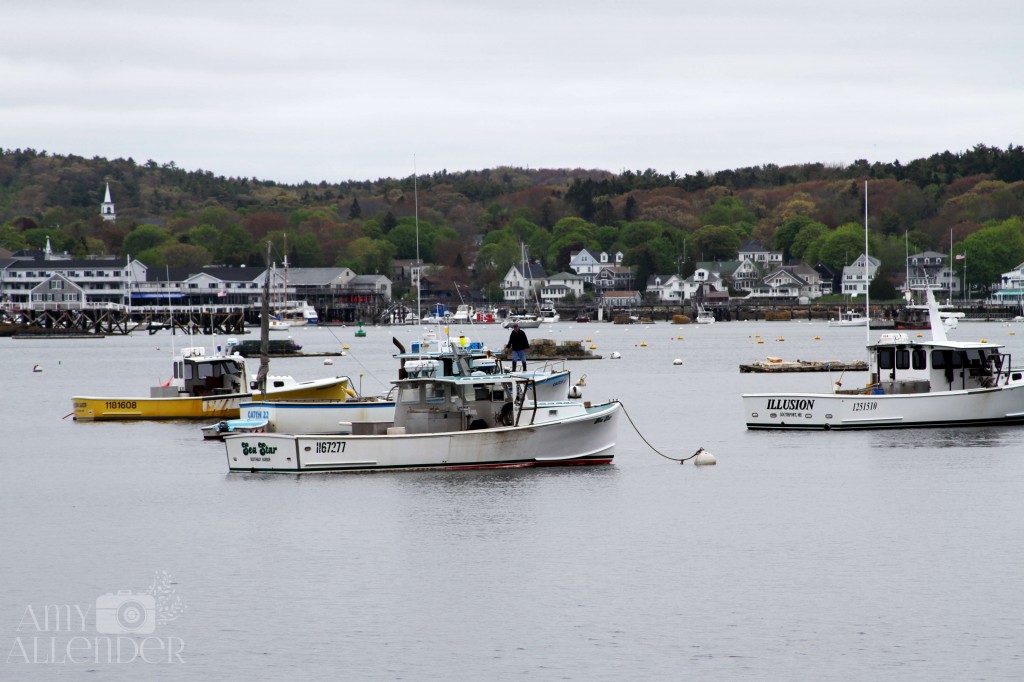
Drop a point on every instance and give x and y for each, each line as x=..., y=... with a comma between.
x=205, y=387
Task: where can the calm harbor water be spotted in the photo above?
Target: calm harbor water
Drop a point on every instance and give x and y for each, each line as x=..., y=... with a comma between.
x=811, y=556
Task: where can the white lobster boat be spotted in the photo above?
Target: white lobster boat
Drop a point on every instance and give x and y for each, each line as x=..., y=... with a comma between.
x=446, y=422
x=430, y=358
x=931, y=383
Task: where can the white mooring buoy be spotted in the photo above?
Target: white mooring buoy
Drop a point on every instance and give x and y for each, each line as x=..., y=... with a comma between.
x=328, y=361
x=37, y=368
x=677, y=361
x=616, y=355
x=703, y=458
x=575, y=392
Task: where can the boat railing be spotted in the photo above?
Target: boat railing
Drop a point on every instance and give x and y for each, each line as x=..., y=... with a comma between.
x=551, y=366
x=999, y=365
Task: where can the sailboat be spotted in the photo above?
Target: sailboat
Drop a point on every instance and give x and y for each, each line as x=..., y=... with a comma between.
x=850, y=317
x=524, y=320
x=295, y=313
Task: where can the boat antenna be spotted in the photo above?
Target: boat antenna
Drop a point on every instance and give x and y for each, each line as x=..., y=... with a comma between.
x=261, y=376
x=906, y=247
x=170, y=311
x=416, y=218
x=867, y=281
x=284, y=296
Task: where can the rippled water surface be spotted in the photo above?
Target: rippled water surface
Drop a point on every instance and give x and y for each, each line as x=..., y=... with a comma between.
x=824, y=556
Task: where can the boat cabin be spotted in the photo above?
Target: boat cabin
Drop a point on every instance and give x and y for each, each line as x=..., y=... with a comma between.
x=899, y=365
x=445, y=404
x=198, y=374
x=467, y=403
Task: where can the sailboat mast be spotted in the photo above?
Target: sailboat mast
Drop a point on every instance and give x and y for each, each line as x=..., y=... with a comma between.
x=416, y=215
x=950, y=299
x=261, y=377
x=867, y=281
x=906, y=247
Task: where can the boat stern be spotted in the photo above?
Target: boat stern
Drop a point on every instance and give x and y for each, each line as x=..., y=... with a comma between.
x=790, y=411
x=262, y=452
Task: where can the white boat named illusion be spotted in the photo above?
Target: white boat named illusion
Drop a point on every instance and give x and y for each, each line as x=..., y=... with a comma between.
x=913, y=383
x=446, y=422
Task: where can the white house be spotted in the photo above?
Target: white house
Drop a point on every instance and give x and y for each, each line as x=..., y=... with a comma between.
x=667, y=288
x=522, y=284
x=1011, y=286
x=620, y=298
x=561, y=285
x=101, y=281
x=785, y=282
x=748, y=274
x=587, y=265
x=703, y=284
x=855, y=281
x=753, y=251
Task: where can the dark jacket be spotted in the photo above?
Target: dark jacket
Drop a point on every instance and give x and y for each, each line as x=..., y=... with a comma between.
x=517, y=340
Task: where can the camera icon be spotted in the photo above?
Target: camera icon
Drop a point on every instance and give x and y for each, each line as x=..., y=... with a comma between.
x=125, y=613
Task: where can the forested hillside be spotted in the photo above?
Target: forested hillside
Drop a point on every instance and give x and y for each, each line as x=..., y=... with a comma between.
x=471, y=223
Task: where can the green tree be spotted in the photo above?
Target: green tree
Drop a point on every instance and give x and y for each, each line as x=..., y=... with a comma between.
x=715, y=242
x=206, y=236
x=805, y=237
x=730, y=210
x=369, y=256
x=354, y=211
x=635, y=234
x=643, y=258
x=996, y=248
x=142, y=238
x=12, y=239
x=185, y=255
x=787, y=234
x=235, y=247
x=842, y=246
x=499, y=253
x=218, y=216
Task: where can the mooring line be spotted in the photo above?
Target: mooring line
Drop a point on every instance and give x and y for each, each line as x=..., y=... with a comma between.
x=656, y=450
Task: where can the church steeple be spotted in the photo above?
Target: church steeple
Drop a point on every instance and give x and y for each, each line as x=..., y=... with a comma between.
x=107, y=208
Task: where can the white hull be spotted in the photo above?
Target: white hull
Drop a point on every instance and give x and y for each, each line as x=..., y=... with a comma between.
x=1000, y=405
x=862, y=322
x=316, y=417
x=294, y=322
x=584, y=439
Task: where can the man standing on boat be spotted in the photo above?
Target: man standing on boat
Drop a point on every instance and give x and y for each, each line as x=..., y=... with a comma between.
x=517, y=343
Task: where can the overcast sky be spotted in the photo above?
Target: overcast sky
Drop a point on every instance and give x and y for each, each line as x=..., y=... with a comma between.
x=295, y=90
